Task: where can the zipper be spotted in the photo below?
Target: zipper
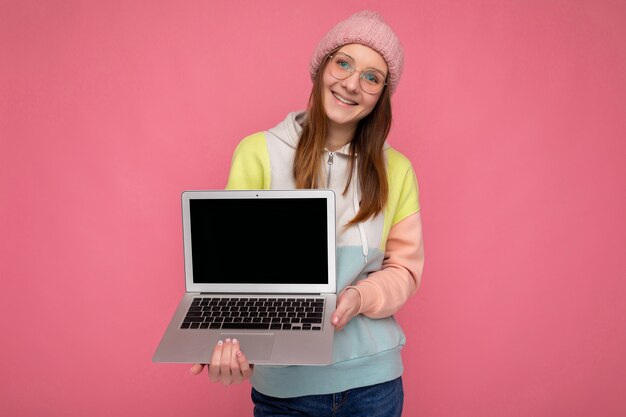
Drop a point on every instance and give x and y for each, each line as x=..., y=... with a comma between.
x=331, y=157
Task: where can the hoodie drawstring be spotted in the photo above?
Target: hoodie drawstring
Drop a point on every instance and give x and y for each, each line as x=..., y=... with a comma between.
x=357, y=206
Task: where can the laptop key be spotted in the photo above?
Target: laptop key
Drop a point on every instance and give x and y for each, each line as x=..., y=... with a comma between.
x=253, y=326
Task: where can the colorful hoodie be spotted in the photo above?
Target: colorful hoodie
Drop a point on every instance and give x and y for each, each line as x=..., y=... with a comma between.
x=382, y=258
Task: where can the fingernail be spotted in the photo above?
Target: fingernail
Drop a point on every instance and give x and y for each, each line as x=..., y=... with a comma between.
x=220, y=343
x=336, y=320
x=228, y=340
x=235, y=341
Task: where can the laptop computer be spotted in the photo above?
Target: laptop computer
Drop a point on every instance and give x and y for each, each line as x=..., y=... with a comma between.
x=259, y=267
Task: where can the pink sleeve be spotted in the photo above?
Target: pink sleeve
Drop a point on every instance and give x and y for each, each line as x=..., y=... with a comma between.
x=384, y=292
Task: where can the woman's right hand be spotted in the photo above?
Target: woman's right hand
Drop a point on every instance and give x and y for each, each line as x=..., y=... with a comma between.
x=228, y=364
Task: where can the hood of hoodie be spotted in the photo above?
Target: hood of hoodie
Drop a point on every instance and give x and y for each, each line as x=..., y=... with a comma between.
x=290, y=128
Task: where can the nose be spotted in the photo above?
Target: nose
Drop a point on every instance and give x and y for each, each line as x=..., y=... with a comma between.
x=352, y=83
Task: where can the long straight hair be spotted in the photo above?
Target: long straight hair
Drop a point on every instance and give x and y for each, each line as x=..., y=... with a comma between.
x=366, y=149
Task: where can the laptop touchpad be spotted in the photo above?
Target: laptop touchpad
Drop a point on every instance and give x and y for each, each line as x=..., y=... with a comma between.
x=256, y=346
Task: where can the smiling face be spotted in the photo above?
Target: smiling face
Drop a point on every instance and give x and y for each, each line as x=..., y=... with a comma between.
x=345, y=101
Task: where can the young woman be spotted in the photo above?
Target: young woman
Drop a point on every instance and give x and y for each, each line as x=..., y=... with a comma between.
x=339, y=142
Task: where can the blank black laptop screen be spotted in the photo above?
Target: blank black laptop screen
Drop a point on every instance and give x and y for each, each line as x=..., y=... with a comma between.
x=259, y=241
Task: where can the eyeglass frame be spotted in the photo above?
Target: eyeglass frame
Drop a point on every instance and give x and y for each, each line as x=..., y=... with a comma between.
x=354, y=69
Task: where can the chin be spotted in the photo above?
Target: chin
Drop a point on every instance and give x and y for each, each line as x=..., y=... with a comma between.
x=341, y=115
x=341, y=120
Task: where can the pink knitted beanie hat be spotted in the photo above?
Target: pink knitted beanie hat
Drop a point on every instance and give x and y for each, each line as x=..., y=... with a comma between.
x=366, y=28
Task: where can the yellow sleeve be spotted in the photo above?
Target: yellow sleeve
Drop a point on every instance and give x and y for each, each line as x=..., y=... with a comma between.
x=250, y=167
x=403, y=191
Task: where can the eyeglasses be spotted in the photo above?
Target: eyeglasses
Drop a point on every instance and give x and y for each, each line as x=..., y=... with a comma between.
x=342, y=66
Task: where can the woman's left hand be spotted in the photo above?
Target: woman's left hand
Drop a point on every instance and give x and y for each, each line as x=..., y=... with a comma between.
x=348, y=304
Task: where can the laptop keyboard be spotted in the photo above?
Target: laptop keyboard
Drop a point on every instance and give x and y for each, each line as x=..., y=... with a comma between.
x=255, y=313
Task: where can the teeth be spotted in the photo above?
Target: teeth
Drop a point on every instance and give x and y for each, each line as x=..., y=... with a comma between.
x=343, y=100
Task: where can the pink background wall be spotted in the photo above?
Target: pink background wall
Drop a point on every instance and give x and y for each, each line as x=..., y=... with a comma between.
x=513, y=113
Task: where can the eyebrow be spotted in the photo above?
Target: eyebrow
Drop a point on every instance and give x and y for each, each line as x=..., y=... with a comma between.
x=354, y=60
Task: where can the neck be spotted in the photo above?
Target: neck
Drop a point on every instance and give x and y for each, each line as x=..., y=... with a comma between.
x=337, y=136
